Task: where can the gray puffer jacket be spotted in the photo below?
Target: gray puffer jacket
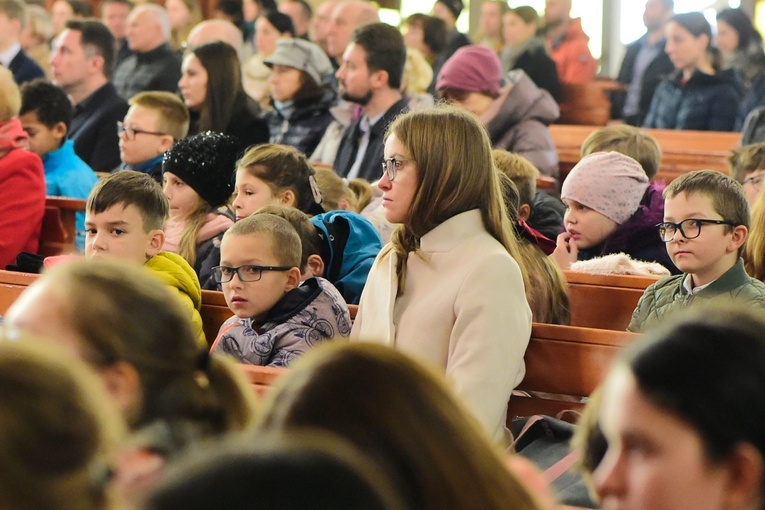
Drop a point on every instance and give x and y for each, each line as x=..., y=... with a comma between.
x=668, y=295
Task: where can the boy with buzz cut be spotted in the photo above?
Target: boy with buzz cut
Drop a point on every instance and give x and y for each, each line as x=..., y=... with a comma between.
x=153, y=123
x=124, y=219
x=46, y=114
x=706, y=220
x=276, y=317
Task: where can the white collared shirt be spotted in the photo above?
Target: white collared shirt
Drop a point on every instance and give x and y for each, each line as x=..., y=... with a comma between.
x=8, y=55
x=688, y=284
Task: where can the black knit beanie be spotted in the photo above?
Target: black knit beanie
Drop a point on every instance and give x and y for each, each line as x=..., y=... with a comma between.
x=455, y=6
x=206, y=162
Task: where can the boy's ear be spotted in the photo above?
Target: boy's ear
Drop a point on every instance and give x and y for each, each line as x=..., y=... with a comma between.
x=745, y=467
x=288, y=198
x=524, y=212
x=293, y=279
x=155, y=243
x=737, y=238
x=59, y=130
x=166, y=141
x=315, y=265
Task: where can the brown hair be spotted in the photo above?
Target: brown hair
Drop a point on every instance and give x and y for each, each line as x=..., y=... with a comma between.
x=745, y=160
x=173, y=114
x=403, y=416
x=282, y=167
x=58, y=430
x=727, y=195
x=333, y=189
x=521, y=171
x=128, y=187
x=178, y=36
x=309, y=237
x=285, y=241
x=180, y=382
x=754, y=250
x=455, y=173
x=627, y=140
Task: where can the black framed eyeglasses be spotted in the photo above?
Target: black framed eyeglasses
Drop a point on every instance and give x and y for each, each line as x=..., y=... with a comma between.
x=690, y=228
x=131, y=132
x=756, y=181
x=392, y=165
x=248, y=273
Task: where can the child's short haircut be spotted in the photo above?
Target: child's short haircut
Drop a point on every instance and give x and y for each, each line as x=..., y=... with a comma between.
x=10, y=91
x=627, y=140
x=173, y=114
x=14, y=9
x=127, y=187
x=49, y=102
x=284, y=238
x=745, y=160
x=309, y=237
x=282, y=167
x=521, y=171
x=727, y=195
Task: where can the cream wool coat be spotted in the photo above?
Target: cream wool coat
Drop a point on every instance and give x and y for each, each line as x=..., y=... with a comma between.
x=463, y=311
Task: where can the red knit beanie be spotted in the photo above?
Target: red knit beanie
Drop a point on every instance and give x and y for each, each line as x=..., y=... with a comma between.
x=472, y=69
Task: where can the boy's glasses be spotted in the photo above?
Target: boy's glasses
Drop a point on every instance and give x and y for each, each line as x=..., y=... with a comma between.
x=756, y=181
x=248, y=273
x=690, y=228
x=391, y=165
x=131, y=132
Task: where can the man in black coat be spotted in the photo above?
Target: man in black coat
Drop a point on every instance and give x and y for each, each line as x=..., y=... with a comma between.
x=13, y=15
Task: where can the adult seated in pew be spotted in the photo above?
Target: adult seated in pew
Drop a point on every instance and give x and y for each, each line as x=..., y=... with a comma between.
x=546, y=293
x=695, y=96
x=747, y=166
x=276, y=318
x=22, y=181
x=46, y=114
x=169, y=390
x=682, y=415
x=402, y=415
x=604, y=194
x=706, y=221
x=452, y=268
x=516, y=113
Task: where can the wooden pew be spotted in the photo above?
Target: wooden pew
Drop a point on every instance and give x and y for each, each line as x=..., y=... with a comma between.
x=682, y=151
x=564, y=360
x=12, y=284
x=604, y=301
x=59, y=230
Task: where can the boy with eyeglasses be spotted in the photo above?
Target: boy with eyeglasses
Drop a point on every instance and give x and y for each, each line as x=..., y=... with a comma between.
x=46, y=115
x=706, y=220
x=154, y=122
x=276, y=317
x=747, y=166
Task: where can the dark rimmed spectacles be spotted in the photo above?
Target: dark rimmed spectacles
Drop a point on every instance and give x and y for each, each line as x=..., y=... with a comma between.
x=756, y=181
x=690, y=228
x=131, y=132
x=392, y=165
x=248, y=273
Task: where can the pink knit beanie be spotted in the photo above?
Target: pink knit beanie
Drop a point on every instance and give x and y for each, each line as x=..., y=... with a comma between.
x=472, y=69
x=609, y=182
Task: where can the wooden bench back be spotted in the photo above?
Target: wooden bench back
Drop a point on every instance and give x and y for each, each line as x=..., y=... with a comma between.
x=59, y=230
x=604, y=301
x=12, y=284
x=682, y=151
x=564, y=360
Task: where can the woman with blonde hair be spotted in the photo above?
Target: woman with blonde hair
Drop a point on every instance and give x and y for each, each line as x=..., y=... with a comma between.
x=453, y=266
x=754, y=249
x=404, y=418
x=59, y=434
x=125, y=324
x=184, y=15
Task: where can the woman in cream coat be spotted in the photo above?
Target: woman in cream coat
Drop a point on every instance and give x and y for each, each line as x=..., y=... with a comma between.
x=448, y=290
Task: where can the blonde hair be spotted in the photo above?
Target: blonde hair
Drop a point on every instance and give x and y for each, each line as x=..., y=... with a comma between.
x=455, y=173
x=521, y=171
x=418, y=72
x=746, y=159
x=179, y=381
x=404, y=417
x=187, y=246
x=58, y=430
x=178, y=36
x=285, y=241
x=627, y=140
x=358, y=193
x=547, y=292
x=173, y=114
x=754, y=250
x=10, y=96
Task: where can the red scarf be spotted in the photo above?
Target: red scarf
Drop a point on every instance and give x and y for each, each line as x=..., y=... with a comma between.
x=12, y=136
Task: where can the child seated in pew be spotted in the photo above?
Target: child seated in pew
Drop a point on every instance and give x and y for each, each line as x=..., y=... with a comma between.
x=340, y=246
x=754, y=249
x=124, y=219
x=276, y=318
x=198, y=175
x=706, y=221
x=747, y=166
x=275, y=174
x=46, y=114
x=606, y=213
x=630, y=141
x=154, y=122
x=547, y=292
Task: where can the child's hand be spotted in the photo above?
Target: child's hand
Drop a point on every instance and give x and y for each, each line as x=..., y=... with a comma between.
x=565, y=252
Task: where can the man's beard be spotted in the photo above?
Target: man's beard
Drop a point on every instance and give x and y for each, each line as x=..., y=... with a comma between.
x=362, y=100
